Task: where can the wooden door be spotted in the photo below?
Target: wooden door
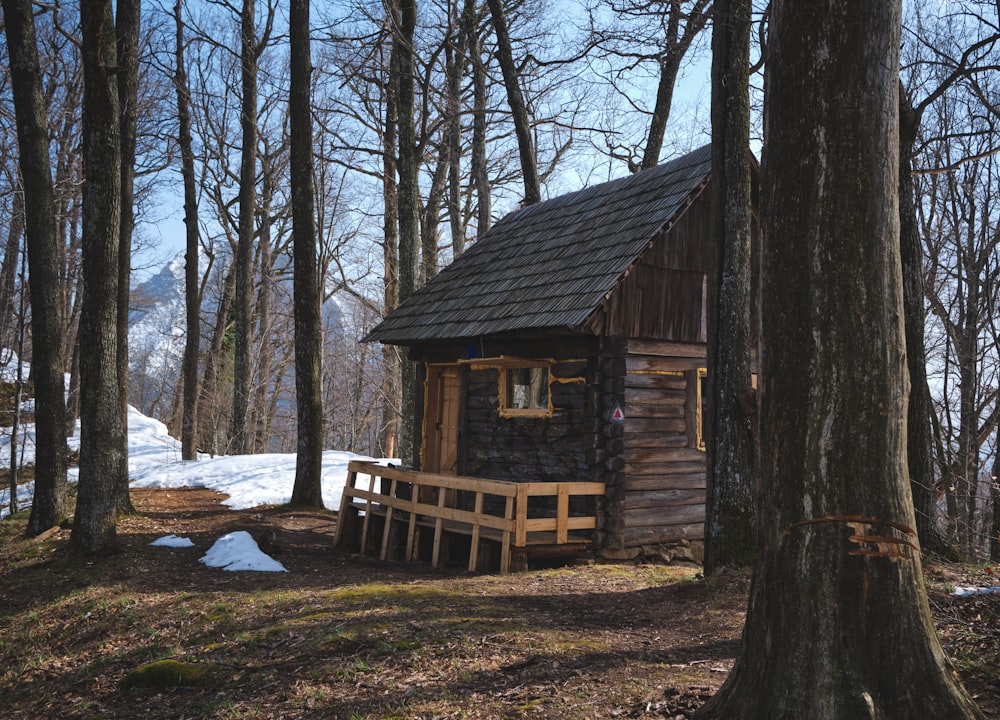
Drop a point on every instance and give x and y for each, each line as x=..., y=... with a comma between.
x=440, y=452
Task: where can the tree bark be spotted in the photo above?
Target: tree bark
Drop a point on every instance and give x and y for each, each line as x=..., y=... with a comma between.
x=391, y=419
x=478, y=162
x=102, y=434
x=192, y=292
x=408, y=203
x=676, y=45
x=308, y=489
x=49, y=504
x=731, y=520
x=128, y=22
x=838, y=624
x=8, y=269
x=518, y=109
x=919, y=433
x=240, y=435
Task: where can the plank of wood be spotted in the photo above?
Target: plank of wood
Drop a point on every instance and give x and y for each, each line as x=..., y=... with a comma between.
x=664, y=455
x=655, y=517
x=634, y=537
x=694, y=481
x=635, y=439
x=637, y=346
x=655, y=411
x=647, y=363
x=672, y=396
x=667, y=426
x=668, y=468
x=651, y=380
x=663, y=499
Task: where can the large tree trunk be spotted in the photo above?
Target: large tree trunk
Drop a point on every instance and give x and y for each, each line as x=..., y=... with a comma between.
x=240, y=436
x=48, y=506
x=127, y=29
x=838, y=624
x=102, y=434
x=518, y=108
x=308, y=489
x=731, y=522
x=408, y=203
x=192, y=294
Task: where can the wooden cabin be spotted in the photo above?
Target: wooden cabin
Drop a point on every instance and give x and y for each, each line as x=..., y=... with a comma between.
x=568, y=344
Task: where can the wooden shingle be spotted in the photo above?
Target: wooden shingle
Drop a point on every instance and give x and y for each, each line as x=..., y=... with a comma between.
x=552, y=264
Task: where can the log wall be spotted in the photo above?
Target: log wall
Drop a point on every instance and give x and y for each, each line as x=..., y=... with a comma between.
x=663, y=477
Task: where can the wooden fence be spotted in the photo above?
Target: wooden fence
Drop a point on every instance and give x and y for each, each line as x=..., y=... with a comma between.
x=412, y=500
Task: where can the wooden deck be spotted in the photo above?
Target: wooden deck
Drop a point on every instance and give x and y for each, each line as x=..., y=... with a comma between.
x=405, y=501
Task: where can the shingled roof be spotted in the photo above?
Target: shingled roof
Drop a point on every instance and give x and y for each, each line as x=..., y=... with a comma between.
x=551, y=264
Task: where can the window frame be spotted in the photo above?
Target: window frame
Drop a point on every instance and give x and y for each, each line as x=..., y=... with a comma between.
x=504, y=385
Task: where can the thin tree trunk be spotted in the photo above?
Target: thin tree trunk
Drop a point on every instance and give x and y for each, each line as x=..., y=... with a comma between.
x=192, y=291
x=456, y=61
x=408, y=204
x=919, y=434
x=432, y=212
x=838, y=624
x=515, y=98
x=389, y=435
x=676, y=44
x=210, y=395
x=308, y=487
x=242, y=362
x=8, y=270
x=731, y=521
x=478, y=163
x=264, y=345
x=127, y=29
x=102, y=435
x=49, y=505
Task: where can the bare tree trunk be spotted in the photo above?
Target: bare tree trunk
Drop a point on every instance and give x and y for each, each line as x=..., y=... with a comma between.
x=8, y=270
x=515, y=98
x=456, y=59
x=210, y=392
x=995, y=500
x=432, y=212
x=308, y=487
x=127, y=29
x=103, y=449
x=49, y=505
x=192, y=290
x=838, y=624
x=731, y=521
x=408, y=204
x=676, y=46
x=389, y=435
x=478, y=163
x=918, y=423
x=242, y=362
x=260, y=417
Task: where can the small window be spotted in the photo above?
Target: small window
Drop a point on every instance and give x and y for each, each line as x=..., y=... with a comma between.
x=524, y=391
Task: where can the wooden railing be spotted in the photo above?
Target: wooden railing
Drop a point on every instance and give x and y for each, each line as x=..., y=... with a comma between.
x=418, y=499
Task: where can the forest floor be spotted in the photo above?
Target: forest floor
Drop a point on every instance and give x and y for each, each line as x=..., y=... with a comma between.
x=342, y=636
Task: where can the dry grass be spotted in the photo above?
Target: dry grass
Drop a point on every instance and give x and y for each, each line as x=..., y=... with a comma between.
x=346, y=637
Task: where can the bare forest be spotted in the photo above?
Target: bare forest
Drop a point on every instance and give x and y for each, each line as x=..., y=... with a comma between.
x=427, y=120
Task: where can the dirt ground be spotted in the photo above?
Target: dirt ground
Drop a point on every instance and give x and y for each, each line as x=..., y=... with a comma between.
x=342, y=636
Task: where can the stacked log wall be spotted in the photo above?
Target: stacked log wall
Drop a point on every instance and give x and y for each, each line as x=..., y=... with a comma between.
x=663, y=480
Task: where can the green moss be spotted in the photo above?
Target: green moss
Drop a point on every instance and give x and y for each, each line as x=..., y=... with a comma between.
x=165, y=674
